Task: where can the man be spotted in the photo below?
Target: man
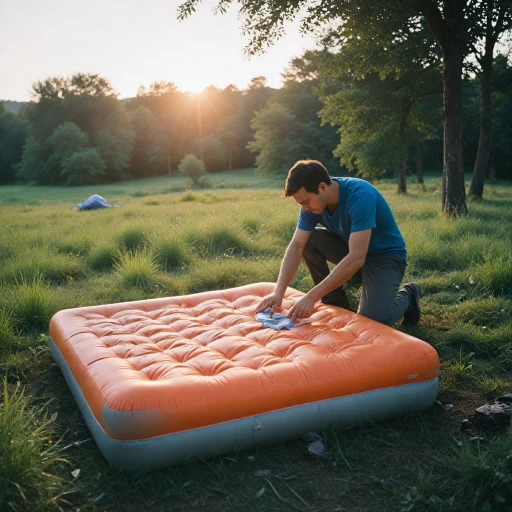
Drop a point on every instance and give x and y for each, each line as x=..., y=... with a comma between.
x=359, y=235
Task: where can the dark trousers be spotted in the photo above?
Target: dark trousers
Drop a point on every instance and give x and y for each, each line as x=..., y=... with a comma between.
x=380, y=275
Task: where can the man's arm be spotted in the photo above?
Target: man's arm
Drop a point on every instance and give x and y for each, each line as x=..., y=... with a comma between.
x=289, y=266
x=357, y=250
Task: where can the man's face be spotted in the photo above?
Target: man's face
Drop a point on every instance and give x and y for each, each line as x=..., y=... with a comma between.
x=309, y=202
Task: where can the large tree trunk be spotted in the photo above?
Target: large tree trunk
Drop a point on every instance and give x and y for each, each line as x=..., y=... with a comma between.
x=419, y=163
x=446, y=22
x=476, y=189
x=454, y=193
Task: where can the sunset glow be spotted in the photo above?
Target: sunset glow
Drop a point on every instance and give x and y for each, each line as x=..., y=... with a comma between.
x=133, y=45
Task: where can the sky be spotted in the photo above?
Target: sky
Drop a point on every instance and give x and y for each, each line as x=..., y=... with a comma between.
x=132, y=43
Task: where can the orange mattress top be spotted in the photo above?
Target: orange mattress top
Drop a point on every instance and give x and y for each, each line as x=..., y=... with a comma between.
x=204, y=359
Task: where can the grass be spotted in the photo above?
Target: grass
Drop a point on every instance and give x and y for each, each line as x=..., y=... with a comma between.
x=31, y=303
x=137, y=268
x=29, y=455
x=164, y=239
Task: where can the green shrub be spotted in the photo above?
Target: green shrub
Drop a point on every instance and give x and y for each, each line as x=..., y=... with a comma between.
x=137, y=268
x=132, y=239
x=28, y=457
x=83, y=167
x=192, y=167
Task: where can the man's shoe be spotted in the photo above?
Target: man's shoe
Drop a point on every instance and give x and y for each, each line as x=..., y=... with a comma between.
x=412, y=315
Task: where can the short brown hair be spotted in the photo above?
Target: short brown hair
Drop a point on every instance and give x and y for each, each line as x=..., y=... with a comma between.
x=308, y=174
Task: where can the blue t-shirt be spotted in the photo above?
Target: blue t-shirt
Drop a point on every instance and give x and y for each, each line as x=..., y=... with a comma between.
x=361, y=206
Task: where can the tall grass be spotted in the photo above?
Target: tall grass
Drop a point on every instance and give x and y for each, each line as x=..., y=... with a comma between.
x=8, y=332
x=137, y=268
x=474, y=478
x=132, y=238
x=31, y=303
x=496, y=274
x=218, y=240
x=41, y=261
x=29, y=459
x=103, y=257
x=171, y=253
x=172, y=244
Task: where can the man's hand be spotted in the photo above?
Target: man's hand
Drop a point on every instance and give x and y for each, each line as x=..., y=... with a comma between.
x=302, y=308
x=271, y=301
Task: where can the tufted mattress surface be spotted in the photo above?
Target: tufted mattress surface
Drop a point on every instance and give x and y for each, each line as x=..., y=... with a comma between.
x=181, y=363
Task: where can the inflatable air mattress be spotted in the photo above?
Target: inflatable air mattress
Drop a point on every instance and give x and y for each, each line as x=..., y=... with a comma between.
x=163, y=380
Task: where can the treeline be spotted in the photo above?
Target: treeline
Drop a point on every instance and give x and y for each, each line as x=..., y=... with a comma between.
x=339, y=108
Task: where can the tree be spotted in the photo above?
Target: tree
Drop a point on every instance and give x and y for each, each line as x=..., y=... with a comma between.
x=276, y=140
x=378, y=101
x=212, y=151
x=114, y=150
x=452, y=24
x=501, y=149
x=149, y=155
x=83, y=167
x=12, y=139
x=192, y=167
x=70, y=114
x=498, y=20
x=289, y=125
x=229, y=134
x=166, y=102
x=80, y=84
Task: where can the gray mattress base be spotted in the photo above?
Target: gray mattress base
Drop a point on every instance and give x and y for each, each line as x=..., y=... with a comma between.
x=245, y=433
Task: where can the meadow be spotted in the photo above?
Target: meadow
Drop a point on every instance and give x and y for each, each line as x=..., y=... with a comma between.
x=164, y=239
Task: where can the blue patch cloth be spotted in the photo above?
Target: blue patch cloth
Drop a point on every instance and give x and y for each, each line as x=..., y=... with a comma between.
x=94, y=202
x=277, y=321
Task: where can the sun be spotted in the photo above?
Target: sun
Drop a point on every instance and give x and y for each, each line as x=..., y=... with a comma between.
x=193, y=86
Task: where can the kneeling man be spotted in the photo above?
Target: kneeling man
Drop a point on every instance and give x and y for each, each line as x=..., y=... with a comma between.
x=359, y=234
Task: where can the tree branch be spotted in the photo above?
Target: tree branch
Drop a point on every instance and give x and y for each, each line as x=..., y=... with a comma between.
x=435, y=20
x=499, y=28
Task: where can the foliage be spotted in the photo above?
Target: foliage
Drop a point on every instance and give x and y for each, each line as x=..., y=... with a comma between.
x=192, y=167
x=114, y=150
x=212, y=152
x=83, y=167
x=12, y=139
x=382, y=95
x=288, y=125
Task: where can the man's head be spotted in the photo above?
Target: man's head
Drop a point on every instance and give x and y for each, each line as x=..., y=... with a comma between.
x=307, y=183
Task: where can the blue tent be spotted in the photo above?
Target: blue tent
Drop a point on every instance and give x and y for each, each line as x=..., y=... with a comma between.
x=94, y=202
